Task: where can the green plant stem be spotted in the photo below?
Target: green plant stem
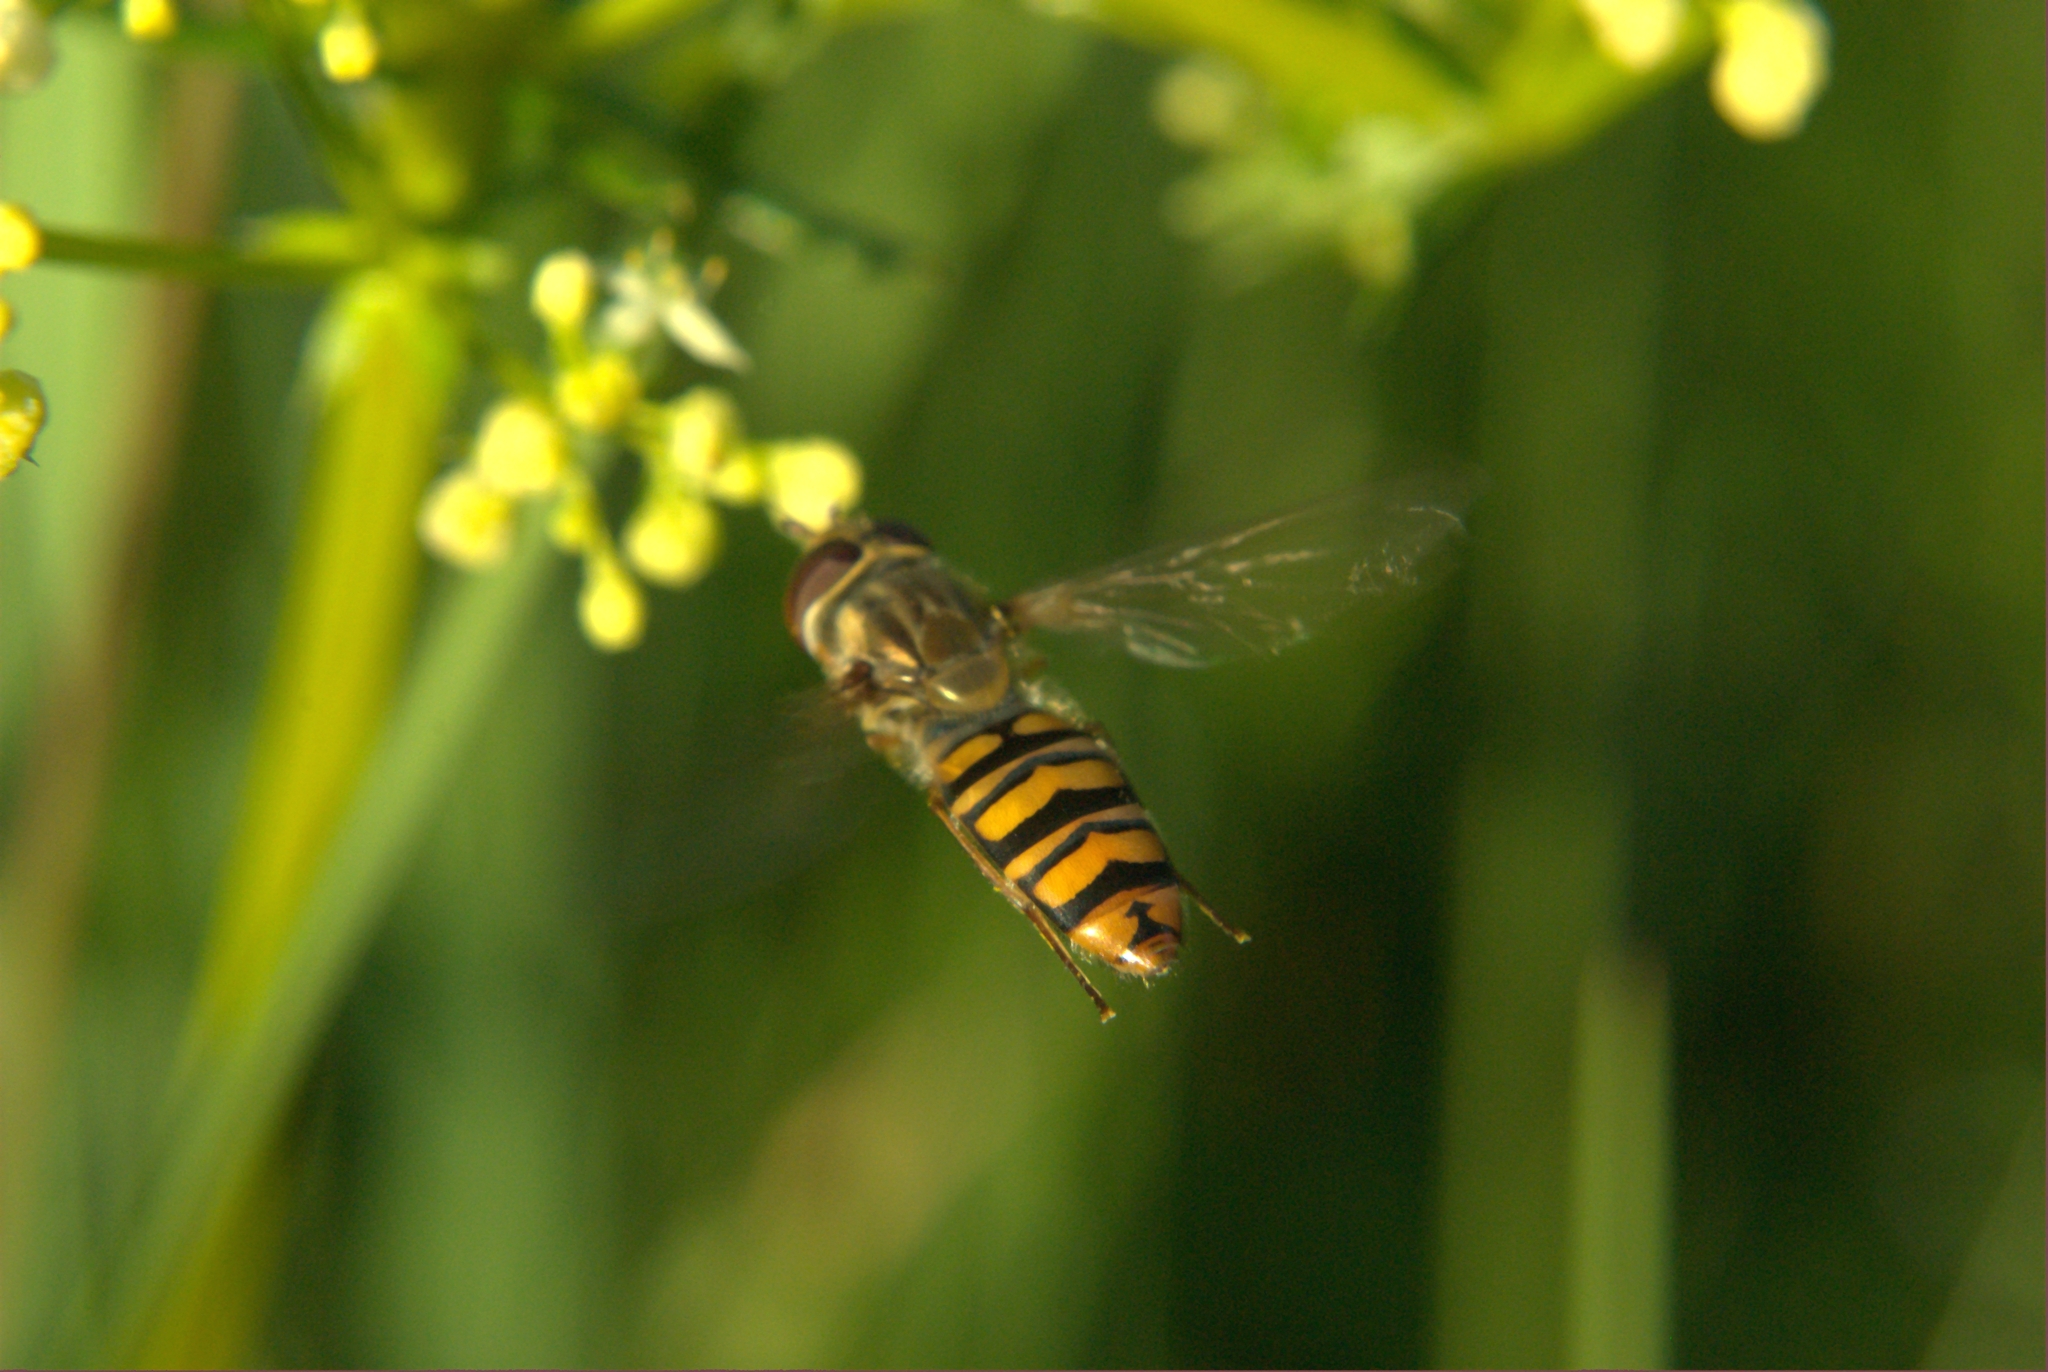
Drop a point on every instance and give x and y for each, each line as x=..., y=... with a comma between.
x=1334, y=65
x=236, y=1095
x=214, y=263
x=350, y=167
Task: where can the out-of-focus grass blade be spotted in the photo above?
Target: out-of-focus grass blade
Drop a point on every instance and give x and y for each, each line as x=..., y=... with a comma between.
x=76, y=150
x=231, y=1102
x=381, y=363
x=379, y=367
x=1543, y=1163
x=1621, y=1172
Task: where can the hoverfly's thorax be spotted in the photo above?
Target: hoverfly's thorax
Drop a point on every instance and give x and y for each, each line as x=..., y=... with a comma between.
x=895, y=615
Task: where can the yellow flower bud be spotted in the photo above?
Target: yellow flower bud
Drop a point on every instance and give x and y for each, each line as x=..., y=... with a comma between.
x=22, y=412
x=6, y=318
x=599, y=394
x=811, y=483
x=613, y=612
x=349, y=51
x=21, y=238
x=739, y=480
x=703, y=426
x=1771, y=67
x=564, y=286
x=465, y=522
x=672, y=540
x=151, y=21
x=1636, y=34
x=576, y=524
x=520, y=449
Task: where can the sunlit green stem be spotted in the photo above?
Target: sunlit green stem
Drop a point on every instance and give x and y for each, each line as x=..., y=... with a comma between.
x=235, y=1097
x=1549, y=91
x=349, y=165
x=216, y=263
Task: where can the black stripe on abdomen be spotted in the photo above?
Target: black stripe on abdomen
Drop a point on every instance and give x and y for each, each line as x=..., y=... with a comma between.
x=1115, y=879
x=1013, y=746
x=1062, y=809
x=1073, y=843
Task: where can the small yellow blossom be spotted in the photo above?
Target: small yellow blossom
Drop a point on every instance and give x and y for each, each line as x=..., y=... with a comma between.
x=1636, y=34
x=349, y=51
x=564, y=287
x=672, y=540
x=152, y=21
x=576, y=524
x=6, y=319
x=703, y=426
x=21, y=238
x=22, y=412
x=598, y=395
x=1771, y=67
x=739, y=480
x=465, y=522
x=520, y=449
x=613, y=612
x=25, y=52
x=811, y=483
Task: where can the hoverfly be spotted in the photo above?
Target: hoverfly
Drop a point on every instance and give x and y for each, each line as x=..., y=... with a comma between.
x=930, y=668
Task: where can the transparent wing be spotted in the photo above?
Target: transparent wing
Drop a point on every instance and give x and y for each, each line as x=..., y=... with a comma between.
x=764, y=794
x=1266, y=586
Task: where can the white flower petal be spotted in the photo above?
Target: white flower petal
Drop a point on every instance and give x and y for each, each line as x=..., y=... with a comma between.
x=697, y=332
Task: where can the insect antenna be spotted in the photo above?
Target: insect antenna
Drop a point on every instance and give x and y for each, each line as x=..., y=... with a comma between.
x=1196, y=896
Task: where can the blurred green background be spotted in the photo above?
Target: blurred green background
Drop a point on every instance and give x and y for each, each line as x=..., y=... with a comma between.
x=1648, y=925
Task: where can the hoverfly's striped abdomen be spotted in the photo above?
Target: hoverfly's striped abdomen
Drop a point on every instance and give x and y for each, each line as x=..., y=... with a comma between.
x=1050, y=808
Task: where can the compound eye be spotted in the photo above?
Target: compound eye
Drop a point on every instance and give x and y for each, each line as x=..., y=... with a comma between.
x=822, y=568
x=896, y=531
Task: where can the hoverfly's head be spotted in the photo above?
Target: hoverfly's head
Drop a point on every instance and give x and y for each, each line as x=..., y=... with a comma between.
x=871, y=603
x=831, y=560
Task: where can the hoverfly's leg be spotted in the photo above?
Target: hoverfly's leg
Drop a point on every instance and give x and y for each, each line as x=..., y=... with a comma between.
x=853, y=687
x=1196, y=896
x=1015, y=895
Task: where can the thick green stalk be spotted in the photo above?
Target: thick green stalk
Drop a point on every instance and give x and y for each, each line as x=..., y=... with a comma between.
x=382, y=363
x=227, y=1113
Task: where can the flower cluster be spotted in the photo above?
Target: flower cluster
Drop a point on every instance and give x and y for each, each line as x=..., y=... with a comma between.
x=1279, y=183
x=345, y=43
x=1264, y=197
x=1770, y=66
x=554, y=442
x=1770, y=59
